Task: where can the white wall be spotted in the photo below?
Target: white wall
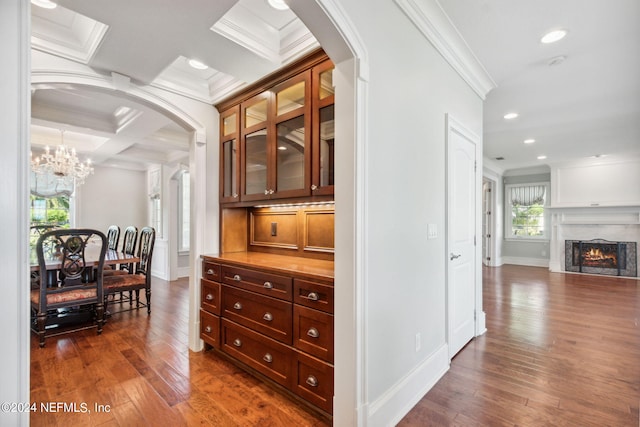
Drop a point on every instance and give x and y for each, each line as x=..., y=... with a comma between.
x=14, y=137
x=112, y=196
x=410, y=90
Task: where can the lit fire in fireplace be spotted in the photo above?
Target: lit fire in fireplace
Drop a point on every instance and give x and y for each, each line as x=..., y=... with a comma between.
x=596, y=257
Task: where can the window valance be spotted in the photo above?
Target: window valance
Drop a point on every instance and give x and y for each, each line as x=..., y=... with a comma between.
x=527, y=195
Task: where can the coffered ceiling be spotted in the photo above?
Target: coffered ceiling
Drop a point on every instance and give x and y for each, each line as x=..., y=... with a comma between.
x=577, y=98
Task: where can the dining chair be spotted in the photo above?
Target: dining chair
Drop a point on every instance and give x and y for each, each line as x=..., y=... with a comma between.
x=113, y=237
x=75, y=283
x=35, y=231
x=129, y=240
x=140, y=277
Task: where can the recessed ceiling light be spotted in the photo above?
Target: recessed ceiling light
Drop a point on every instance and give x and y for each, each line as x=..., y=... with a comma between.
x=46, y=4
x=557, y=60
x=553, y=36
x=510, y=116
x=278, y=4
x=529, y=141
x=197, y=64
x=542, y=157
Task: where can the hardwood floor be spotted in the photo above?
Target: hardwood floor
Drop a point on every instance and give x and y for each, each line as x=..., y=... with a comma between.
x=560, y=350
x=142, y=373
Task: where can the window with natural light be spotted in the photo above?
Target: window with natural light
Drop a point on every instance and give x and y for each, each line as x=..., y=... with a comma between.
x=183, y=212
x=50, y=211
x=526, y=209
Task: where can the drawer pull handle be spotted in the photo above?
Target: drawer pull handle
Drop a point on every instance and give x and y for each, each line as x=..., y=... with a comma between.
x=237, y=306
x=237, y=342
x=209, y=297
x=208, y=329
x=268, y=317
x=312, y=381
x=267, y=358
x=313, y=296
x=268, y=285
x=313, y=333
x=210, y=272
x=237, y=277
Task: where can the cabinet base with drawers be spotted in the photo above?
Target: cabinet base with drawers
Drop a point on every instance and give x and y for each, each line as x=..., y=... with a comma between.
x=273, y=315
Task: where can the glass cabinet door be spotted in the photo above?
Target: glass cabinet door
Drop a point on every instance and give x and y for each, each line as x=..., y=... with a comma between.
x=229, y=156
x=292, y=147
x=323, y=130
x=255, y=147
x=255, y=172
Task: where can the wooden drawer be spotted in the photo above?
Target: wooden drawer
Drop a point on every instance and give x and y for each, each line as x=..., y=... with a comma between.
x=211, y=271
x=210, y=328
x=313, y=294
x=267, y=356
x=210, y=296
x=270, y=316
x=313, y=381
x=263, y=283
x=313, y=332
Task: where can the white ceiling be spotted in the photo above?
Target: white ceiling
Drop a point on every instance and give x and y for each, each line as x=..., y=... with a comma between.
x=587, y=105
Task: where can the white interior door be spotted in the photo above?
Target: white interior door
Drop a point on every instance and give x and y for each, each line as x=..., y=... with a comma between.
x=461, y=232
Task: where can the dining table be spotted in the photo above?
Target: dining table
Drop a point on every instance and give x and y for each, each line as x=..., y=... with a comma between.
x=112, y=257
x=53, y=263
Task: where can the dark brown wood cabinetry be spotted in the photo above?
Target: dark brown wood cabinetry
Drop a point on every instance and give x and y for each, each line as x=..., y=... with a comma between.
x=276, y=138
x=274, y=315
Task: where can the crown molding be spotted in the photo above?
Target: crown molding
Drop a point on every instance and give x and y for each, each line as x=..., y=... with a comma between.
x=429, y=17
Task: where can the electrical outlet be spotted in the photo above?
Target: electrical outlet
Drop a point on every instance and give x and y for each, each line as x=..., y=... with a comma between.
x=418, y=343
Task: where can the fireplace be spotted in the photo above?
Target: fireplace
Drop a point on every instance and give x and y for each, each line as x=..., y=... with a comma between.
x=601, y=257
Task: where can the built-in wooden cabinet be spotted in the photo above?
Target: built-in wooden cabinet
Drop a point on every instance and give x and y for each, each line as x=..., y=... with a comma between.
x=274, y=315
x=277, y=138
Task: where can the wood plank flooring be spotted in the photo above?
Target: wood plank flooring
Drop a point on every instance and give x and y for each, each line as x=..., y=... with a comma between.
x=142, y=373
x=560, y=350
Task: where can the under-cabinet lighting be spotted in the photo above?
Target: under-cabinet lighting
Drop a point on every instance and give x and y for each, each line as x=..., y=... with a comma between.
x=297, y=205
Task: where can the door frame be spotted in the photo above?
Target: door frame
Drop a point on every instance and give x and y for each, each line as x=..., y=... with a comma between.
x=455, y=126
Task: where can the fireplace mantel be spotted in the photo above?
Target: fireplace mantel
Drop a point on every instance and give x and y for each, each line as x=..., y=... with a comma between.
x=587, y=223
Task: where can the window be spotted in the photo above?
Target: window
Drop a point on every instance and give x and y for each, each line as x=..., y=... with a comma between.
x=50, y=210
x=183, y=212
x=526, y=209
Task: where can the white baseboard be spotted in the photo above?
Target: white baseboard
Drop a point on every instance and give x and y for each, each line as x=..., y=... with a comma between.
x=393, y=405
x=532, y=262
x=183, y=272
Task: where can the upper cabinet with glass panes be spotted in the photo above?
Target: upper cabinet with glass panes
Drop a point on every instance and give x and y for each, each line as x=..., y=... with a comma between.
x=277, y=137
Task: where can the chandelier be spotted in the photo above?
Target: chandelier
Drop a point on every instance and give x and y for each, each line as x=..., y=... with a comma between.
x=61, y=167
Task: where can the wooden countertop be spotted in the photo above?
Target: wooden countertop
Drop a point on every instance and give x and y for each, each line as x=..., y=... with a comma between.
x=301, y=267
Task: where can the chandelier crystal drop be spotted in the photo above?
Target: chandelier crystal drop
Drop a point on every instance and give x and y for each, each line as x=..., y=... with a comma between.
x=62, y=164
